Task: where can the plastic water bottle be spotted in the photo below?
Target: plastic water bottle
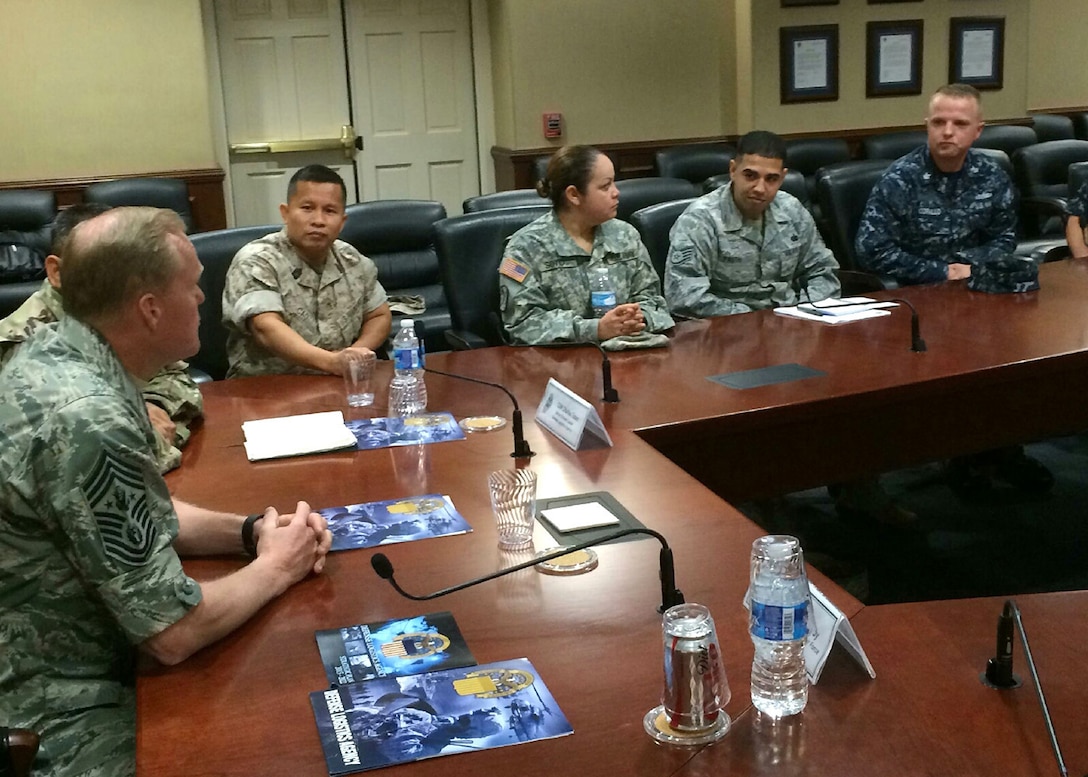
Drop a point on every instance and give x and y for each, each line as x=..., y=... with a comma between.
x=602, y=296
x=407, y=389
x=778, y=624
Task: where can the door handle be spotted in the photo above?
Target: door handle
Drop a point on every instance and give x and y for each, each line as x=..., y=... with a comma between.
x=347, y=143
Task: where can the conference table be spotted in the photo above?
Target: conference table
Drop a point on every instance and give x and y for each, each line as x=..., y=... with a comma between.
x=241, y=706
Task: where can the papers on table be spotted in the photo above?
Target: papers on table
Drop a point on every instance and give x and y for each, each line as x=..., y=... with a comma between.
x=296, y=435
x=586, y=515
x=837, y=311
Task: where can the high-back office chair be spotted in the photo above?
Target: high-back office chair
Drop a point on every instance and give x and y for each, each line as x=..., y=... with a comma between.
x=653, y=224
x=1005, y=137
x=470, y=248
x=512, y=198
x=808, y=155
x=170, y=193
x=1052, y=126
x=842, y=191
x=1042, y=176
x=215, y=251
x=892, y=145
x=26, y=218
x=695, y=162
x=1080, y=125
x=18, y=747
x=398, y=236
x=637, y=193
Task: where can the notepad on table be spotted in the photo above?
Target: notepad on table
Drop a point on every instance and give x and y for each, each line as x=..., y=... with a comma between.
x=587, y=515
x=296, y=435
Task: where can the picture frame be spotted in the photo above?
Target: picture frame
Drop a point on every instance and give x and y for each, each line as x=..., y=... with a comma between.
x=976, y=51
x=883, y=2
x=808, y=62
x=799, y=3
x=893, y=57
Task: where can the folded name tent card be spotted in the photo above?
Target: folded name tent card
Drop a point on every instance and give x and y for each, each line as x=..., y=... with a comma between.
x=296, y=435
x=569, y=417
x=827, y=626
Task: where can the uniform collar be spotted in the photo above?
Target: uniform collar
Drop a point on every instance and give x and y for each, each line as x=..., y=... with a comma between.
x=301, y=270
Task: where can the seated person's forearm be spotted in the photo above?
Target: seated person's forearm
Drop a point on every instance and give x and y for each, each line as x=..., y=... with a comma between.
x=274, y=335
x=375, y=329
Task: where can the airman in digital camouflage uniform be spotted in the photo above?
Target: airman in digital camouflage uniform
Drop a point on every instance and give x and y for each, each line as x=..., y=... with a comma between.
x=943, y=207
x=89, y=534
x=935, y=214
x=172, y=398
x=747, y=246
x=295, y=299
x=544, y=279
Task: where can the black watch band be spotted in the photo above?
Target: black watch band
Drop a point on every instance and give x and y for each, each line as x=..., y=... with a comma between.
x=249, y=543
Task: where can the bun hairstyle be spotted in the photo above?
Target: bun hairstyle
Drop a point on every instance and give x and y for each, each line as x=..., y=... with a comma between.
x=570, y=166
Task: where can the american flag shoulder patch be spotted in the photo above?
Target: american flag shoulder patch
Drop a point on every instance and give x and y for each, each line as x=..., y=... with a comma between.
x=513, y=269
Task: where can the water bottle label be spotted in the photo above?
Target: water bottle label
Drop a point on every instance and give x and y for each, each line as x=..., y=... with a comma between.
x=602, y=299
x=778, y=624
x=405, y=358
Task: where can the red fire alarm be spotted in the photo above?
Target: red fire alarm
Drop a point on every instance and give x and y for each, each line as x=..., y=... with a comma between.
x=553, y=125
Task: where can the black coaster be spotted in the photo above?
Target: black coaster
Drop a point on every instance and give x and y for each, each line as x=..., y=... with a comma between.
x=765, y=376
x=569, y=538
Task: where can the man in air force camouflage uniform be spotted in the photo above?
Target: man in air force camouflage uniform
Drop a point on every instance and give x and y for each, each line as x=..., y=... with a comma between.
x=935, y=214
x=943, y=207
x=295, y=299
x=544, y=282
x=172, y=398
x=747, y=246
x=89, y=534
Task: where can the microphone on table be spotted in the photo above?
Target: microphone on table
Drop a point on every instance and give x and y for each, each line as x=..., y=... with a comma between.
x=670, y=594
x=917, y=344
x=609, y=393
x=521, y=445
x=999, y=672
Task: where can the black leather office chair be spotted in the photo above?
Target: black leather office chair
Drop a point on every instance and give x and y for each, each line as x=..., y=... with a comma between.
x=892, y=145
x=842, y=191
x=1005, y=137
x=653, y=224
x=215, y=251
x=694, y=163
x=1052, y=126
x=172, y=193
x=470, y=248
x=18, y=747
x=26, y=218
x=1080, y=125
x=398, y=236
x=1042, y=176
x=513, y=198
x=638, y=193
x=808, y=155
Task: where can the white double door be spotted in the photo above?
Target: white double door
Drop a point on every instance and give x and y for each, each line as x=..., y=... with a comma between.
x=380, y=90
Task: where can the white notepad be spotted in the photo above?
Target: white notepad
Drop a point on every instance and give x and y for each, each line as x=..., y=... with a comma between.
x=296, y=435
x=588, y=515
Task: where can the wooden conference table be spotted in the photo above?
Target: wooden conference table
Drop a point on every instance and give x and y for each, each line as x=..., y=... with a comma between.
x=241, y=706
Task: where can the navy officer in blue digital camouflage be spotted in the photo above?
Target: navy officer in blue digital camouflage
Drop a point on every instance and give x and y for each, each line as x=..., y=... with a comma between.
x=938, y=214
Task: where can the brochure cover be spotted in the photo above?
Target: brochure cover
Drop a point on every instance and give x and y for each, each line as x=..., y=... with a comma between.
x=421, y=429
x=394, y=720
x=396, y=520
x=393, y=648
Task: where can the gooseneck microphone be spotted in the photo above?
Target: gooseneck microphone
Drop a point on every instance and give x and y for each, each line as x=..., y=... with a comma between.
x=670, y=594
x=999, y=672
x=521, y=445
x=917, y=344
x=610, y=393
